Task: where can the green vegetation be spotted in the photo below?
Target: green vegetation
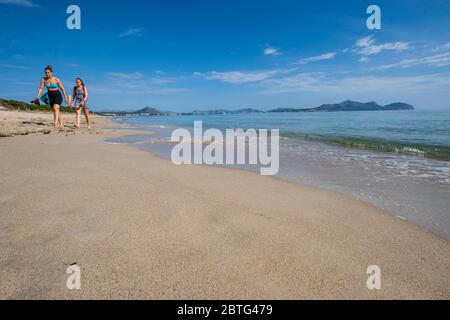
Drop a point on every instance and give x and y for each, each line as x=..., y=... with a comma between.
x=22, y=106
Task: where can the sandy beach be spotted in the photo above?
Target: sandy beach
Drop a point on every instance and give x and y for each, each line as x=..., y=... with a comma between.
x=140, y=227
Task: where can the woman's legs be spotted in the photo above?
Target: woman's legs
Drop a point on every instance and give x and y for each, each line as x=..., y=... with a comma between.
x=78, y=118
x=57, y=115
x=56, y=101
x=61, y=119
x=88, y=117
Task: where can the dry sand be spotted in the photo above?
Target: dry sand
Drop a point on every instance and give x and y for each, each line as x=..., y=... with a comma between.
x=140, y=227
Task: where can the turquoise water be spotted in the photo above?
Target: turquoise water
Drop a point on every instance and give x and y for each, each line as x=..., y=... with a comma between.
x=422, y=133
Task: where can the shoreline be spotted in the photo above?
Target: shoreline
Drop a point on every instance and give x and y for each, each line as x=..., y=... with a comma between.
x=423, y=205
x=142, y=228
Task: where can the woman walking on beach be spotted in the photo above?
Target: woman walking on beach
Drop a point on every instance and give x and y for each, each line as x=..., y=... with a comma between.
x=80, y=95
x=55, y=98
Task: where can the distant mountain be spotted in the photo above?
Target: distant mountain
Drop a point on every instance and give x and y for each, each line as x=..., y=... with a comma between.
x=222, y=111
x=147, y=111
x=285, y=110
x=350, y=106
x=150, y=111
x=343, y=106
x=398, y=106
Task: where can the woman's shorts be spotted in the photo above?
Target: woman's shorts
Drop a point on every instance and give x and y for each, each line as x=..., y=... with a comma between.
x=78, y=105
x=55, y=97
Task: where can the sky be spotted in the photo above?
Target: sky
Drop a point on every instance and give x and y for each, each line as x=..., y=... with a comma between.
x=210, y=54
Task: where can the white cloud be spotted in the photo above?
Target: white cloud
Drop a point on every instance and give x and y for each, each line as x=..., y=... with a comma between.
x=445, y=46
x=161, y=77
x=366, y=46
x=13, y=66
x=365, y=42
x=364, y=59
x=298, y=82
x=125, y=76
x=18, y=56
x=324, y=83
x=326, y=56
x=160, y=80
x=438, y=60
x=23, y=3
x=374, y=49
x=239, y=77
x=71, y=64
x=270, y=51
x=133, y=89
x=131, y=32
x=18, y=82
x=134, y=83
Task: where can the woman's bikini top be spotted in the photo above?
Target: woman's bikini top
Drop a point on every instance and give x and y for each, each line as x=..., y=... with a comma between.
x=51, y=85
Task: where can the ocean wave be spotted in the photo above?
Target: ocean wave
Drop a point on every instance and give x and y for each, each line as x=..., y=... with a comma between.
x=438, y=152
x=409, y=150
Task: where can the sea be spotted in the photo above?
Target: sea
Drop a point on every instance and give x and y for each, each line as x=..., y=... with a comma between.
x=396, y=160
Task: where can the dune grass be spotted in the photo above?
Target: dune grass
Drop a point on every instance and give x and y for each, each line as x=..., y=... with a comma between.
x=23, y=106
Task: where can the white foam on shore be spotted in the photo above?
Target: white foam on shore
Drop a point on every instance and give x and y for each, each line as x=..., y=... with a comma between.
x=414, y=151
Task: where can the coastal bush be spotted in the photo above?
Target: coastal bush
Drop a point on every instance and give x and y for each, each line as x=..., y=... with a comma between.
x=23, y=106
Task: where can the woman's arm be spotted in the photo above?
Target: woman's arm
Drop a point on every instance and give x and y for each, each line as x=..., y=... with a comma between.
x=41, y=88
x=62, y=89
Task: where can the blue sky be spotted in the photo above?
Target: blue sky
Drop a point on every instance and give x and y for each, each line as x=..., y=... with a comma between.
x=185, y=55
